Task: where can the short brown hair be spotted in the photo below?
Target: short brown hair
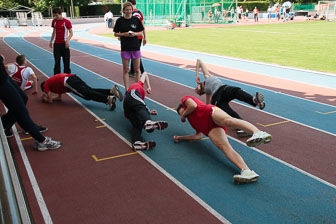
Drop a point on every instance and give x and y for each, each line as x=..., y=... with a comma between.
x=20, y=59
x=179, y=108
x=126, y=4
x=57, y=10
x=132, y=1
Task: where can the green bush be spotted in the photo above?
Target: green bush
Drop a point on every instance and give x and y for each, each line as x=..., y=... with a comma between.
x=98, y=10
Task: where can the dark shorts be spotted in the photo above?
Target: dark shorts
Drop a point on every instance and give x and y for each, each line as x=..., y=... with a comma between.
x=223, y=94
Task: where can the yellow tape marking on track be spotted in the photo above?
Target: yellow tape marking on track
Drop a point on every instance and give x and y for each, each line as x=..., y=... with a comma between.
x=102, y=126
x=267, y=125
x=103, y=119
x=113, y=157
x=325, y=112
x=22, y=139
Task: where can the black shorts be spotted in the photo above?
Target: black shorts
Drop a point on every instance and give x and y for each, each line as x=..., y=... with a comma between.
x=225, y=93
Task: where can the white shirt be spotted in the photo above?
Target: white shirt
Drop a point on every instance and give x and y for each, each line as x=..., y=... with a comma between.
x=25, y=73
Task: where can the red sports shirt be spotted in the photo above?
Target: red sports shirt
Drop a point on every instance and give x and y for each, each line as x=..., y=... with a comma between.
x=55, y=84
x=200, y=119
x=61, y=29
x=138, y=14
x=139, y=86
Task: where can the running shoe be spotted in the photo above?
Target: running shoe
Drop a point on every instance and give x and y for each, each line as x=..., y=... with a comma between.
x=8, y=133
x=41, y=129
x=143, y=146
x=117, y=93
x=48, y=144
x=242, y=133
x=258, y=99
x=111, y=100
x=259, y=138
x=131, y=74
x=245, y=176
x=151, y=125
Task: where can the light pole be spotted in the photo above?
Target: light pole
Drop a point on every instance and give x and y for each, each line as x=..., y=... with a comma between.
x=72, y=10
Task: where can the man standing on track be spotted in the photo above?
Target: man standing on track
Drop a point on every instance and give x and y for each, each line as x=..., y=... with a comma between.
x=142, y=39
x=221, y=95
x=212, y=122
x=62, y=83
x=138, y=114
x=62, y=34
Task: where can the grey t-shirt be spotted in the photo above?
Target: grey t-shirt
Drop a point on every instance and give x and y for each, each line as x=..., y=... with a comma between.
x=212, y=84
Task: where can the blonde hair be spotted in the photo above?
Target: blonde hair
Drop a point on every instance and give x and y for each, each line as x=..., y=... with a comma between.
x=126, y=4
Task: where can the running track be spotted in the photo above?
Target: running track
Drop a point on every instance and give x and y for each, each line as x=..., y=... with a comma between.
x=297, y=169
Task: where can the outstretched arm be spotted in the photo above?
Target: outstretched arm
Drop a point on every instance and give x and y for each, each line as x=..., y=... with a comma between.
x=145, y=79
x=201, y=65
x=193, y=137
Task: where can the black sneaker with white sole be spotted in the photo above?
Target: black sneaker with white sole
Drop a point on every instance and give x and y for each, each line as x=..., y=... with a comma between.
x=111, y=101
x=117, y=93
x=8, y=133
x=151, y=125
x=258, y=99
x=143, y=146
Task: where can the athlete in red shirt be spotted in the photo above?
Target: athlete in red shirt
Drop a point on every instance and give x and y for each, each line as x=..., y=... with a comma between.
x=138, y=114
x=212, y=122
x=62, y=34
x=63, y=83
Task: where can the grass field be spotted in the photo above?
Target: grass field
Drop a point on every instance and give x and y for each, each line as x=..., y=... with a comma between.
x=308, y=45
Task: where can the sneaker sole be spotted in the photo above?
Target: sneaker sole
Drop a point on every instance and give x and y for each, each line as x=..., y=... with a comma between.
x=258, y=141
x=238, y=180
x=261, y=100
x=116, y=92
x=243, y=134
x=146, y=146
x=113, y=104
x=160, y=125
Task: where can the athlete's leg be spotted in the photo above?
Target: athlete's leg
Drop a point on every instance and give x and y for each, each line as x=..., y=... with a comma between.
x=125, y=63
x=224, y=120
x=57, y=57
x=219, y=139
x=136, y=66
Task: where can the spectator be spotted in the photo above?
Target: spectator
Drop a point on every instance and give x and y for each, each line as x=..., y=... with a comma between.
x=269, y=13
x=108, y=19
x=255, y=14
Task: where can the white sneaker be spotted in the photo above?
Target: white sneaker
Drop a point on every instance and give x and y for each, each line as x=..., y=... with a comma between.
x=258, y=99
x=258, y=138
x=117, y=93
x=245, y=176
x=49, y=144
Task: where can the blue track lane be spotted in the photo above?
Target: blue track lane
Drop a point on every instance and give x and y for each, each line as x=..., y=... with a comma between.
x=283, y=195
x=277, y=103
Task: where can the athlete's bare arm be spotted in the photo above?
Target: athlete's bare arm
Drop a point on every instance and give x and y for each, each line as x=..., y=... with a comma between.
x=191, y=106
x=193, y=137
x=52, y=38
x=201, y=65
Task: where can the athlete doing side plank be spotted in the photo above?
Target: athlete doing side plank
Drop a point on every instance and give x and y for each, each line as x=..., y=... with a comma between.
x=212, y=122
x=220, y=95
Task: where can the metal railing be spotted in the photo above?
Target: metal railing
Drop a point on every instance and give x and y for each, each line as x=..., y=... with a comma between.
x=13, y=209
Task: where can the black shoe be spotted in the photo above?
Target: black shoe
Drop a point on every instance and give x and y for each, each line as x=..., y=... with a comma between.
x=41, y=129
x=151, y=125
x=8, y=133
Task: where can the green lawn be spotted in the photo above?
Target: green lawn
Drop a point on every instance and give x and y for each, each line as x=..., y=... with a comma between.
x=309, y=45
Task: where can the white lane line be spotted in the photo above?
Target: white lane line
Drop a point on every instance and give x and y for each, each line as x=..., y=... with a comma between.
x=174, y=180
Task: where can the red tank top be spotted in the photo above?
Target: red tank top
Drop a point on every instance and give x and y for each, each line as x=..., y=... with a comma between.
x=17, y=77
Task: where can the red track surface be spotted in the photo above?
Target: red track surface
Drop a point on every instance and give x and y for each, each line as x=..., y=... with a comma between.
x=77, y=189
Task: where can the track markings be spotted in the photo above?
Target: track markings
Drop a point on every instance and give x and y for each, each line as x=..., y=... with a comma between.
x=205, y=138
x=101, y=126
x=325, y=112
x=103, y=119
x=113, y=157
x=267, y=125
x=23, y=139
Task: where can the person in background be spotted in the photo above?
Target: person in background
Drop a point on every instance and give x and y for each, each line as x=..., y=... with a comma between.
x=62, y=34
x=108, y=17
x=255, y=14
x=128, y=28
